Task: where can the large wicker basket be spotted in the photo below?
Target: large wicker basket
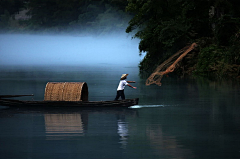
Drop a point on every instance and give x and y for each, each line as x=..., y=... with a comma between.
x=66, y=91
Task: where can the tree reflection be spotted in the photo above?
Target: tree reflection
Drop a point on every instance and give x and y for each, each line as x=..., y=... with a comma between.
x=166, y=145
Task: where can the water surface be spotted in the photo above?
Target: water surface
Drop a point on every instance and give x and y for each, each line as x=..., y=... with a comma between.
x=184, y=118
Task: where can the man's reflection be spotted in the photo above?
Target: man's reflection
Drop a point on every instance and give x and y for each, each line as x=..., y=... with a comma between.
x=122, y=130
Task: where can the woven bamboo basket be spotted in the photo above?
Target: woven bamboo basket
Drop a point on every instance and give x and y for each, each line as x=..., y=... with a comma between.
x=66, y=91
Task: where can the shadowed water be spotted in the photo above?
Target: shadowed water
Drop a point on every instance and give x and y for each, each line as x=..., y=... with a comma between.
x=184, y=118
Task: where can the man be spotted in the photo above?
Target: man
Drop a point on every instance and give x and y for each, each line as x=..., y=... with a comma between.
x=121, y=86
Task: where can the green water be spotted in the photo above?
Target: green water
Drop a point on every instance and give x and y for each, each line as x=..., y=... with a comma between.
x=184, y=118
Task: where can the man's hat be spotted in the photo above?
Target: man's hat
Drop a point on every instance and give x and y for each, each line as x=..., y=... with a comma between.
x=124, y=76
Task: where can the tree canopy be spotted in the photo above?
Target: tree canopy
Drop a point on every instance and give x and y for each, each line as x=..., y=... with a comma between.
x=165, y=26
x=8, y=8
x=88, y=16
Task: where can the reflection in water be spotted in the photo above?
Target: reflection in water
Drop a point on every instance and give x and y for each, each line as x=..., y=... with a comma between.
x=62, y=126
x=167, y=146
x=123, y=132
x=182, y=119
x=59, y=126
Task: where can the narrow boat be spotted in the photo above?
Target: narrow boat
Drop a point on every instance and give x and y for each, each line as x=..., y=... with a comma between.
x=23, y=103
x=65, y=94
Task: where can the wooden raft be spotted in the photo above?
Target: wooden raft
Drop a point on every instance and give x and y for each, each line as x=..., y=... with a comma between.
x=66, y=91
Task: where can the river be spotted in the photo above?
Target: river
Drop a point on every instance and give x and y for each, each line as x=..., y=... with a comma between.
x=184, y=118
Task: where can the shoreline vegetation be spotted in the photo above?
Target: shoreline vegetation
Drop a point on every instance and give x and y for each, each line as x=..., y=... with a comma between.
x=163, y=28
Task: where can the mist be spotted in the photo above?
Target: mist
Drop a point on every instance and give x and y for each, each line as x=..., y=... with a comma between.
x=25, y=49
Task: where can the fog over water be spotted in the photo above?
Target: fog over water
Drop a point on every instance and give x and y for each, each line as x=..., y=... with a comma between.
x=25, y=49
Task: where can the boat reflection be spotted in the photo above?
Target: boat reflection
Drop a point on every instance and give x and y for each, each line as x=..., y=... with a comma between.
x=68, y=126
x=72, y=124
x=58, y=126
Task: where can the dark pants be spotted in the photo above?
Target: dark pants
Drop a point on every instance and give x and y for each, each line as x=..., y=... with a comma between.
x=120, y=93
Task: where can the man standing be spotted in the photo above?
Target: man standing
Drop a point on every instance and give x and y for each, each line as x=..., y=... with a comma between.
x=121, y=86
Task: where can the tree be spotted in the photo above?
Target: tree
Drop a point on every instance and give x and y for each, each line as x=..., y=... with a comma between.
x=47, y=14
x=7, y=10
x=103, y=17
x=91, y=16
x=165, y=26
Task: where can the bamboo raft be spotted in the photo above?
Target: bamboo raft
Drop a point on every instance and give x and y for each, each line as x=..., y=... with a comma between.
x=65, y=94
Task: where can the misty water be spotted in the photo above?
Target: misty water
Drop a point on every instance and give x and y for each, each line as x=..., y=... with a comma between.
x=184, y=118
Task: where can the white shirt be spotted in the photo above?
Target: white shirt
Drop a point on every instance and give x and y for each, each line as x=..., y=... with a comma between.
x=122, y=85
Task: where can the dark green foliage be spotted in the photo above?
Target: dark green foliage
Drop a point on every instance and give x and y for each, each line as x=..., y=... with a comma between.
x=7, y=9
x=12, y=6
x=216, y=62
x=208, y=58
x=81, y=16
x=165, y=26
x=77, y=16
x=47, y=14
